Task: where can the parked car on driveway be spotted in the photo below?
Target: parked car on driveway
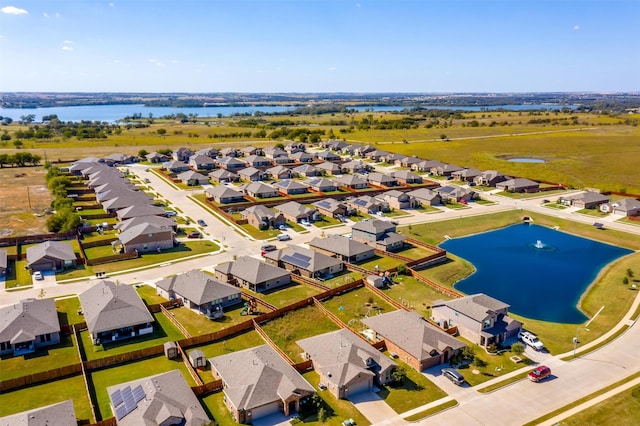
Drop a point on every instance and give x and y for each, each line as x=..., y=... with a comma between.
x=194, y=234
x=530, y=339
x=37, y=275
x=453, y=375
x=540, y=373
x=283, y=237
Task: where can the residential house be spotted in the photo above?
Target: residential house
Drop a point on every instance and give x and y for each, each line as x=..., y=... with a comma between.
x=351, y=150
x=321, y=184
x=127, y=200
x=479, y=318
x=162, y=399
x=248, y=151
x=426, y=196
x=114, y=312
x=262, y=217
x=176, y=166
x=231, y=164
x=58, y=414
x=355, y=166
x=139, y=210
x=414, y=340
x=379, y=234
x=156, y=157
x=209, y=152
x=257, y=161
x=295, y=212
x=466, y=175
x=253, y=274
x=50, y=256
x=376, y=155
x=334, y=144
x=425, y=166
x=145, y=237
x=381, y=179
x=222, y=175
x=343, y=248
x=257, y=382
x=490, y=178
x=351, y=181
x=159, y=221
x=279, y=172
x=585, y=200
x=398, y=200
x=290, y=187
x=367, y=204
x=518, y=185
x=456, y=194
x=329, y=168
x=294, y=148
x=391, y=158
x=283, y=160
x=200, y=292
x=230, y=152
x=408, y=161
x=251, y=174
x=4, y=263
x=364, y=150
x=347, y=364
x=405, y=177
x=306, y=170
x=327, y=156
x=259, y=190
x=625, y=207
x=117, y=159
x=305, y=262
x=109, y=191
x=445, y=169
x=201, y=162
x=192, y=178
x=182, y=154
x=222, y=194
x=28, y=326
x=330, y=207
x=275, y=152
x=302, y=157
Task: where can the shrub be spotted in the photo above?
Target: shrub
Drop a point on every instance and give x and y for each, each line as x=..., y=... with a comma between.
x=478, y=362
x=517, y=348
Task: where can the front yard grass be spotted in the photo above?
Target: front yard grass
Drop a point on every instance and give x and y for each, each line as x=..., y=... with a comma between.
x=496, y=366
x=101, y=379
x=44, y=359
x=620, y=409
x=592, y=212
x=258, y=234
x=163, y=331
x=326, y=221
x=296, y=325
x=414, y=391
x=47, y=394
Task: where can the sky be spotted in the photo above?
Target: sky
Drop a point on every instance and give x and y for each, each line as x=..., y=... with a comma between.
x=269, y=46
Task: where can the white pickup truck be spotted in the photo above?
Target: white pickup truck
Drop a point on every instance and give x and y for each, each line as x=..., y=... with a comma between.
x=530, y=339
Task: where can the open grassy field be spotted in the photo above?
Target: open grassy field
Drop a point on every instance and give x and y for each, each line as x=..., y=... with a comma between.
x=20, y=199
x=621, y=409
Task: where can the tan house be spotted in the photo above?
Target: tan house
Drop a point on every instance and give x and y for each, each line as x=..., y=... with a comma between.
x=343, y=248
x=262, y=217
x=145, y=237
x=305, y=262
x=254, y=274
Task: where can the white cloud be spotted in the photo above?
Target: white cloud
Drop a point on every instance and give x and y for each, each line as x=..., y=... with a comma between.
x=67, y=48
x=67, y=42
x=174, y=61
x=12, y=10
x=46, y=15
x=111, y=4
x=576, y=27
x=156, y=62
x=58, y=14
x=116, y=61
x=332, y=68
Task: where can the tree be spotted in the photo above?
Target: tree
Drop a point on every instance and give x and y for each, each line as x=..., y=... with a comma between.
x=402, y=269
x=27, y=119
x=478, y=362
x=625, y=280
x=18, y=144
x=629, y=273
x=398, y=374
x=143, y=153
x=443, y=137
x=468, y=352
x=161, y=132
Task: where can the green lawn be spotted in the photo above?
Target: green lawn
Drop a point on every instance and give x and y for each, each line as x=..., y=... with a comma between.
x=217, y=410
x=414, y=391
x=343, y=278
x=197, y=324
x=149, y=295
x=353, y=306
x=419, y=296
x=622, y=409
x=47, y=394
x=496, y=366
x=163, y=331
x=450, y=272
x=44, y=359
x=258, y=234
x=285, y=296
x=296, y=325
x=68, y=309
x=415, y=252
x=326, y=221
x=101, y=379
x=383, y=263
x=592, y=212
x=100, y=251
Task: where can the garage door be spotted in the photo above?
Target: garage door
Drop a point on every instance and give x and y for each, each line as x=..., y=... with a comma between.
x=362, y=386
x=265, y=410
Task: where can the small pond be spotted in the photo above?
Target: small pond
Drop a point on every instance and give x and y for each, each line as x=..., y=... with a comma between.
x=526, y=160
x=540, y=272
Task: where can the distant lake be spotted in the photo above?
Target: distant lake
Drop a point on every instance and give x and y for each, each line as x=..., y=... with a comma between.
x=112, y=113
x=526, y=160
x=540, y=272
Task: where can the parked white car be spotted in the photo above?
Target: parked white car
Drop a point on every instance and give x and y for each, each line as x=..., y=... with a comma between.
x=37, y=275
x=530, y=339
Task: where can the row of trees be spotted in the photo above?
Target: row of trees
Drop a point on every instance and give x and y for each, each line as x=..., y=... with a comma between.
x=65, y=218
x=19, y=159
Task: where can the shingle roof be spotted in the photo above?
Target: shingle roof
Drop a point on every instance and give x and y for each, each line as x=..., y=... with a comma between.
x=137, y=220
x=143, y=228
x=349, y=180
x=191, y=175
x=340, y=245
x=59, y=414
x=258, y=376
x=223, y=174
x=29, y=318
x=328, y=204
x=295, y=209
x=290, y=184
x=412, y=333
x=255, y=271
x=166, y=395
x=108, y=306
x=320, y=183
x=139, y=210
x=374, y=226
x=197, y=286
x=331, y=167
x=423, y=194
x=308, y=260
x=54, y=249
x=475, y=306
x=259, y=211
x=221, y=191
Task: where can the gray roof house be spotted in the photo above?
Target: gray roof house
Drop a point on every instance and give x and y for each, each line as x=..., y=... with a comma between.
x=58, y=414
x=330, y=207
x=407, y=161
x=230, y=163
x=275, y=152
x=257, y=161
x=289, y=186
x=379, y=234
x=347, y=364
x=176, y=166
x=490, y=178
x=222, y=175
x=262, y=217
x=351, y=181
x=478, y=317
x=445, y=169
x=259, y=190
x=201, y=162
x=405, y=177
x=200, y=292
x=182, y=154
x=376, y=155
x=585, y=200
x=398, y=200
x=254, y=274
x=381, y=179
x=163, y=399
x=50, y=256
x=251, y=174
x=118, y=158
x=125, y=201
x=145, y=237
x=294, y=211
x=329, y=168
x=114, y=312
x=153, y=220
x=138, y=210
x=327, y=155
x=306, y=170
x=258, y=382
x=414, y=340
x=518, y=185
x=279, y=172
x=192, y=178
x=367, y=204
x=466, y=175
x=28, y=325
x=343, y=248
x=321, y=184
x=624, y=207
x=355, y=166
x=156, y=157
x=302, y=261
x=224, y=195
x=455, y=193
x=302, y=157
x=426, y=196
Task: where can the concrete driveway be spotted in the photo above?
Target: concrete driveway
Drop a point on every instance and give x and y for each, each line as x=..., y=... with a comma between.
x=372, y=407
x=48, y=280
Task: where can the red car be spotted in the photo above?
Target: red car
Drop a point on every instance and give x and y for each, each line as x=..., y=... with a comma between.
x=540, y=373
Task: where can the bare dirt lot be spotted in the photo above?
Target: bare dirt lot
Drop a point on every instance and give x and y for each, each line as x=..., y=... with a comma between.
x=23, y=198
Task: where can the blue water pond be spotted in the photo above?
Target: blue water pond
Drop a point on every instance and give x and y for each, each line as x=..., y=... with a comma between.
x=539, y=271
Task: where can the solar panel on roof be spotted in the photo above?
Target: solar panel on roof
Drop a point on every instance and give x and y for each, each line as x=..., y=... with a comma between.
x=121, y=411
x=129, y=401
x=116, y=398
x=138, y=393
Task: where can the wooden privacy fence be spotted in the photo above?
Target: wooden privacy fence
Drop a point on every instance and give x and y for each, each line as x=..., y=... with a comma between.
x=272, y=343
x=442, y=289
